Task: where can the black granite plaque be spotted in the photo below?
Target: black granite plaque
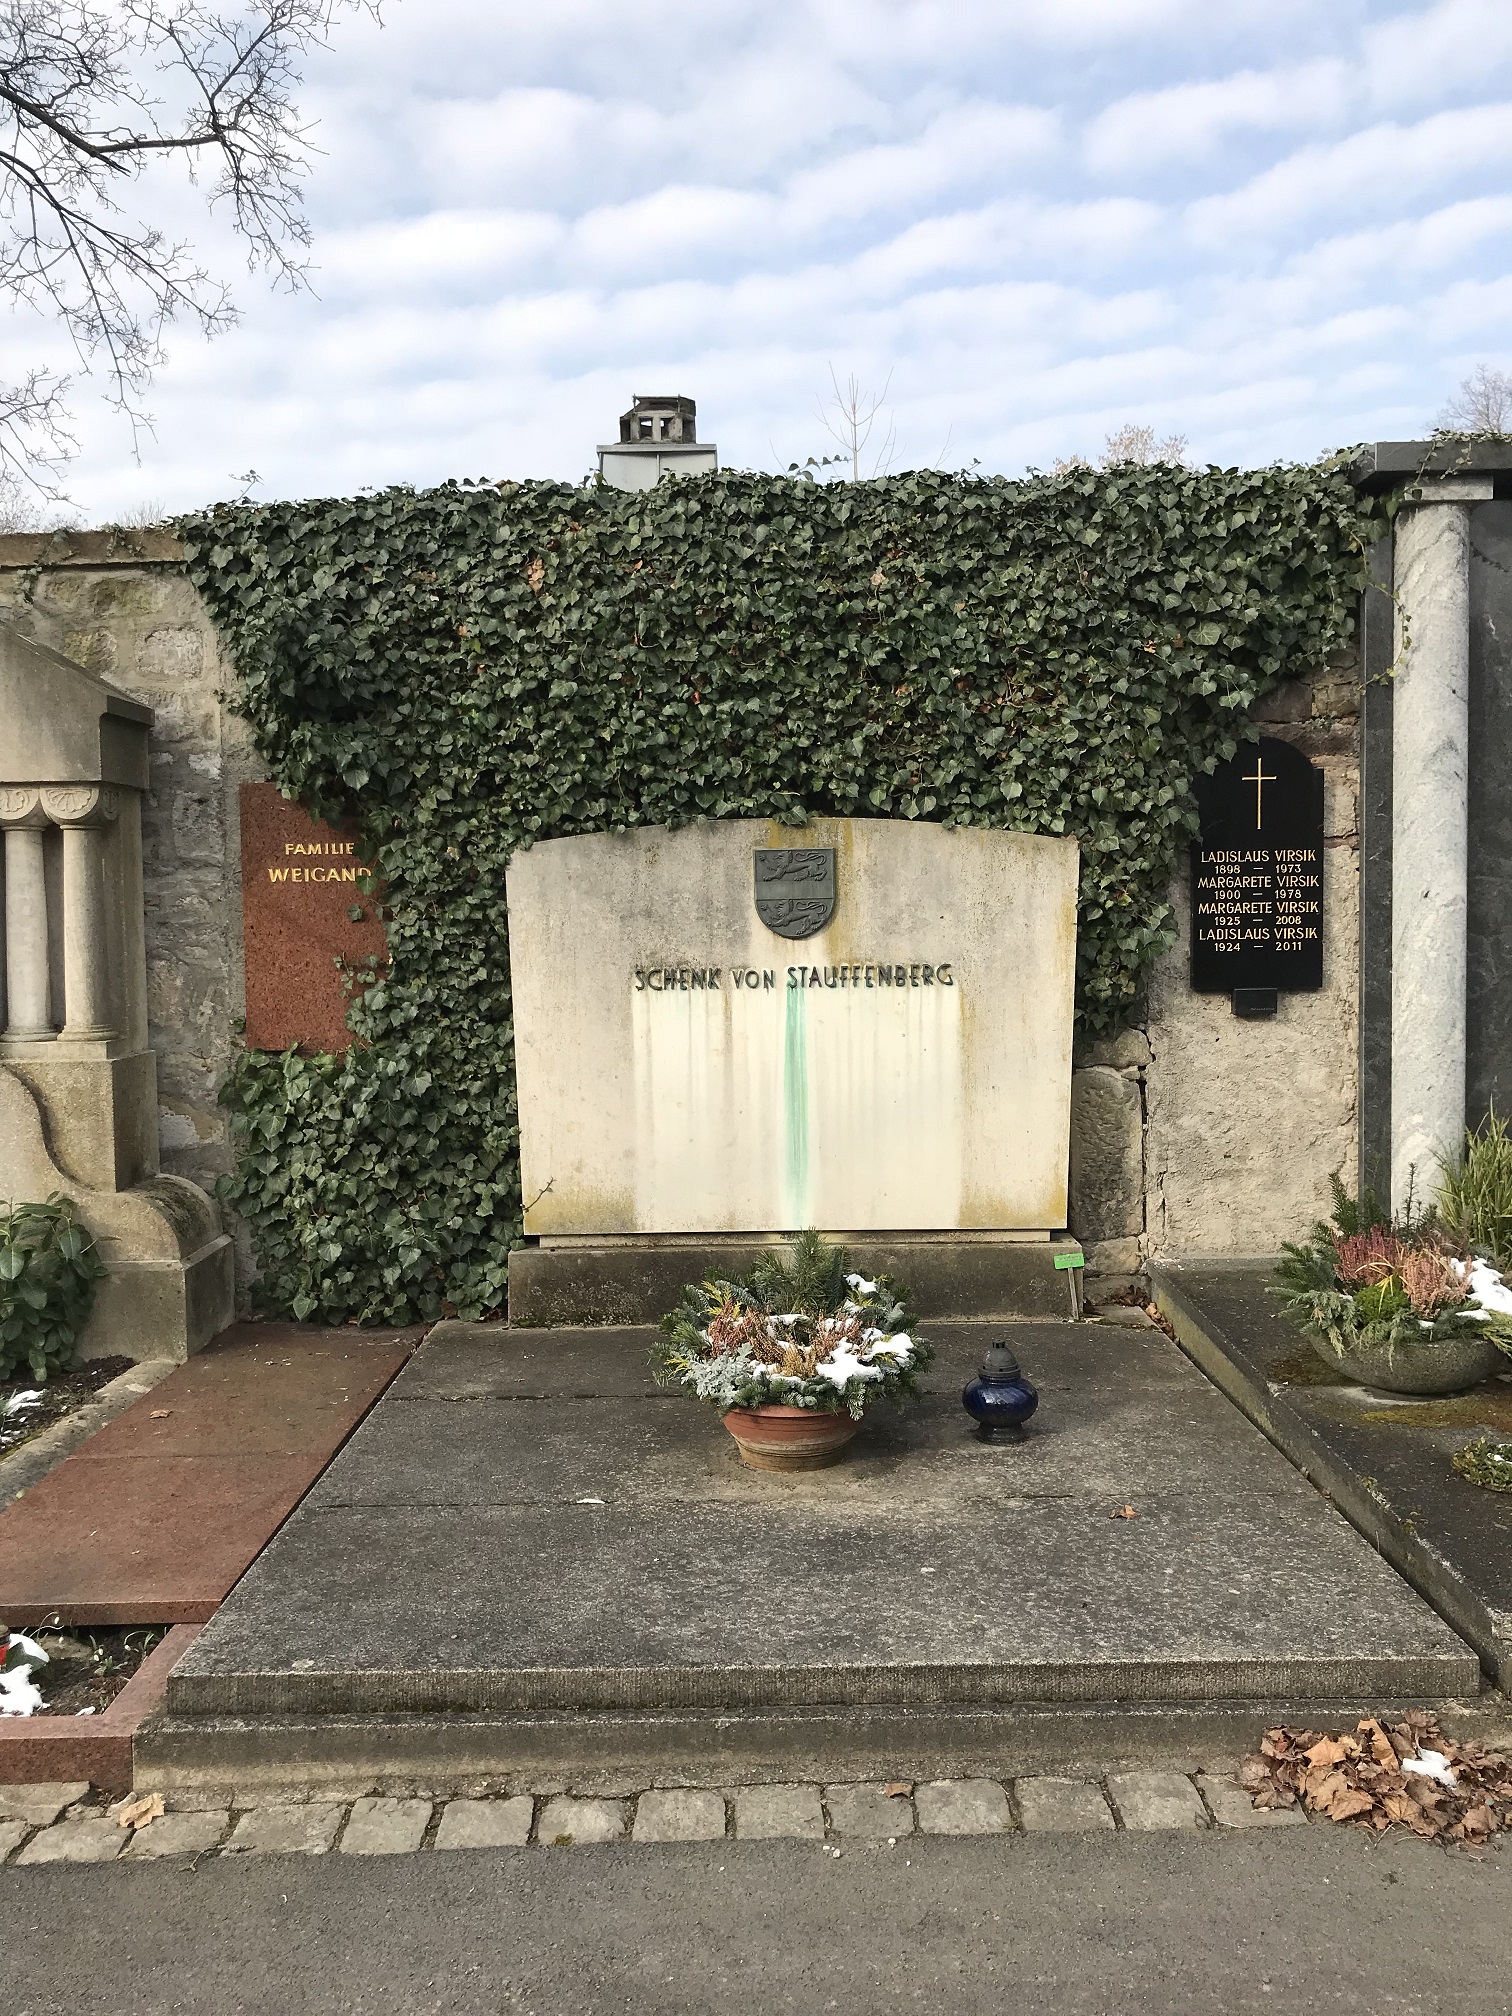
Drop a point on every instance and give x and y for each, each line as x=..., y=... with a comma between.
x=1257, y=877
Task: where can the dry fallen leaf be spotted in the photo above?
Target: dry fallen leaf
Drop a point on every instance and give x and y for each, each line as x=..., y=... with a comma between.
x=1345, y=1803
x=140, y=1812
x=1331, y=1750
x=1124, y=1512
x=899, y=1788
x=1359, y=1779
x=161, y=1413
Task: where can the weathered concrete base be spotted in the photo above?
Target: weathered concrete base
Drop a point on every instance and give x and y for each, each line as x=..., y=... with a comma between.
x=603, y=1752
x=171, y=1283
x=638, y=1281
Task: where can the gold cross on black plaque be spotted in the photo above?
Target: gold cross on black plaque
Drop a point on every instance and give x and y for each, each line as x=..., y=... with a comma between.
x=1259, y=778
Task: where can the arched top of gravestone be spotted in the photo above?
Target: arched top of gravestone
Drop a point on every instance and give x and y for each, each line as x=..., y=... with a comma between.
x=62, y=724
x=1269, y=795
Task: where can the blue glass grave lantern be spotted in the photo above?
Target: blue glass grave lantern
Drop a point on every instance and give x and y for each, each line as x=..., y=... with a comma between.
x=1001, y=1397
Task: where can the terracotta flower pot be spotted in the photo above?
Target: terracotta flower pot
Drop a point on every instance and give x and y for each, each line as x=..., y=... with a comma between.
x=789, y=1438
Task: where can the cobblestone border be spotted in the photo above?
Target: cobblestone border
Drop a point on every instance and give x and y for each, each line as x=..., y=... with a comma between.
x=69, y=1823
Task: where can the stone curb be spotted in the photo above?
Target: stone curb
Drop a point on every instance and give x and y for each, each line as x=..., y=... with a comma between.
x=299, y=1821
x=29, y=1464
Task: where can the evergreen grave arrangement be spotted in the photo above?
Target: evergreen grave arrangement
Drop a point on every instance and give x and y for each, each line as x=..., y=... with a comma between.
x=1410, y=1307
x=799, y=1336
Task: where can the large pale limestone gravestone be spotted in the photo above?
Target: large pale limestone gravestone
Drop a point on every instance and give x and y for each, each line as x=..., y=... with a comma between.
x=78, y=1084
x=304, y=922
x=732, y=1031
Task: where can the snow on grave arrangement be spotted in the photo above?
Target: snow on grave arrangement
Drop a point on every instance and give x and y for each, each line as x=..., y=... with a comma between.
x=794, y=1354
x=1409, y=1309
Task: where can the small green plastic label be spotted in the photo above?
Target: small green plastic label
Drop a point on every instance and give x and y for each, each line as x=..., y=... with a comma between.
x=1064, y=1260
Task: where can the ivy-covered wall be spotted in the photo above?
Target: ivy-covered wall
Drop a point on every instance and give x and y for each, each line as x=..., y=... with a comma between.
x=467, y=669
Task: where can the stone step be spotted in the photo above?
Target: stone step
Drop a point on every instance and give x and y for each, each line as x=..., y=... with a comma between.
x=596, y=1752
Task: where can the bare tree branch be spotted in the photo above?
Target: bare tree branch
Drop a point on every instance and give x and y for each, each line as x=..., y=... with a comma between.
x=850, y=416
x=79, y=125
x=1482, y=405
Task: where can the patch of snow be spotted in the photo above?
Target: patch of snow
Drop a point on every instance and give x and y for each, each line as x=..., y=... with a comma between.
x=860, y=1283
x=19, y=1693
x=1488, y=1288
x=842, y=1366
x=19, y=1402
x=1430, y=1764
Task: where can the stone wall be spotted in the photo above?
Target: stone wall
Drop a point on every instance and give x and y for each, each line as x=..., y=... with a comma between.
x=1192, y=1132
x=1196, y=1132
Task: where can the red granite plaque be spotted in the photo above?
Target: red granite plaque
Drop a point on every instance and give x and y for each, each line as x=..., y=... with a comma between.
x=299, y=895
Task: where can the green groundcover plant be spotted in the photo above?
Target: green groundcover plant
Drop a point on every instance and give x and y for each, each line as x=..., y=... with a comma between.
x=49, y=1266
x=465, y=670
x=798, y=1332
x=1486, y=1461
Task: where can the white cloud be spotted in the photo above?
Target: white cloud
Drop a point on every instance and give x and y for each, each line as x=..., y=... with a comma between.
x=1381, y=163
x=1269, y=225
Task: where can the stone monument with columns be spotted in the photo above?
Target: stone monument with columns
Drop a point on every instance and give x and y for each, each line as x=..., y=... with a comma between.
x=78, y=1086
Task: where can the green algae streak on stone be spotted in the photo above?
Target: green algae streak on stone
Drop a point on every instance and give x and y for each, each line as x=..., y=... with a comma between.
x=795, y=1103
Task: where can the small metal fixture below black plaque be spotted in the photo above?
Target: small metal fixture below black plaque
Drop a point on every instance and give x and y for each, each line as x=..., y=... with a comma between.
x=1257, y=878
x=795, y=889
x=1253, y=1004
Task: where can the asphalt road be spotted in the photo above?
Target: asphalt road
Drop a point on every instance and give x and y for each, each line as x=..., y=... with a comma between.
x=1315, y=1921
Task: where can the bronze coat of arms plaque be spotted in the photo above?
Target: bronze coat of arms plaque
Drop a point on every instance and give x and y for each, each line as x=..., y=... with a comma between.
x=795, y=889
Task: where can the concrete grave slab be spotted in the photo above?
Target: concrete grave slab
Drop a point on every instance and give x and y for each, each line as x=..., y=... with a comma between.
x=863, y=1585
x=1384, y=1459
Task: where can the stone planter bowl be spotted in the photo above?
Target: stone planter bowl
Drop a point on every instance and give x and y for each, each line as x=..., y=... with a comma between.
x=789, y=1438
x=1449, y=1366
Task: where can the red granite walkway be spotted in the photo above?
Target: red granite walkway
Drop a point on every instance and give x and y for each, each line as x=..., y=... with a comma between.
x=153, y=1519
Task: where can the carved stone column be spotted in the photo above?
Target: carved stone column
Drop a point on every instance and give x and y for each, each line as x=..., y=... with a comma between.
x=83, y=811
x=26, y=989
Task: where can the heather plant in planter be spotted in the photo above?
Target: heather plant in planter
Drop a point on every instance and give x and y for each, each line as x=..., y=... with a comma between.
x=794, y=1354
x=1408, y=1308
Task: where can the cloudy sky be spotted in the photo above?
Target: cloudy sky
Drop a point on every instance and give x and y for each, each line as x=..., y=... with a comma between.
x=1274, y=226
